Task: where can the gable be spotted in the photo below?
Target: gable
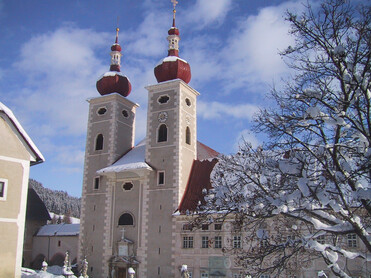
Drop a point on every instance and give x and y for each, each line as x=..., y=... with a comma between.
x=14, y=141
x=10, y=144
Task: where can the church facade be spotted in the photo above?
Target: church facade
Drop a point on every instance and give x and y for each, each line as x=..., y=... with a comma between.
x=131, y=193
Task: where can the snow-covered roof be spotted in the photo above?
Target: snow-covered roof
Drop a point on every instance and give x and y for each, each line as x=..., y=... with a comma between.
x=133, y=160
x=38, y=155
x=59, y=230
x=112, y=73
x=170, y=59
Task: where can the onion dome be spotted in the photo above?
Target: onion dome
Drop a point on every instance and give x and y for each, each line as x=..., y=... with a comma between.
x=173, y=67
x=114, y=81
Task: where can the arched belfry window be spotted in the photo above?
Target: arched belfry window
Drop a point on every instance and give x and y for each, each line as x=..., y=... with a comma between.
x=162, y=133
x=126, y=219
x=99, y=142
x=188, y=135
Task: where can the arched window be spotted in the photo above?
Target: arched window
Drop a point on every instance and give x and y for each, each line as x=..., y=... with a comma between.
x=162, y=133
x=188, y=135
x=99, y=142
x=126, y=219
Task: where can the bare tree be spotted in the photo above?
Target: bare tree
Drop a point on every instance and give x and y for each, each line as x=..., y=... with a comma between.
x=311, y=181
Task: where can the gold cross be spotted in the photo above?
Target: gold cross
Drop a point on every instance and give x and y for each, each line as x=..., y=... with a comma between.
x=174, y=3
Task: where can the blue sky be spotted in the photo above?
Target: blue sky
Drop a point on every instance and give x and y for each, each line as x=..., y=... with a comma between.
x=52, y=53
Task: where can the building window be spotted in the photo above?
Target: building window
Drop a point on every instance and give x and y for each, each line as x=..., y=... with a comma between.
x=188, y=102
x=161, y=178
x=204, y=275
x=163, y=99
x=3, y=189
x=218, y=227
x=126, y=219
x=101, y=111
x=321, y=239
x=188, y=136
x=205, y=242
x=237, y=242
x=127, y=186
x=218, y=242
x=125, y=113
x=205, y=227
x=59, y=243
x=188, y=242
x=99, y=142
x=162, y=133
x=187, y=227
x=352, y=240
x=264, y=243
x=96, y=183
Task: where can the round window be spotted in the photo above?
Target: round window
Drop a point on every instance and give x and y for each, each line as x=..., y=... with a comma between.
x=102, y=111
x=125, y=113
x=127, y=186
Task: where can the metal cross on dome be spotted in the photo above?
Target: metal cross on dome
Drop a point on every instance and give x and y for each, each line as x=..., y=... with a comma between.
x=174, y=3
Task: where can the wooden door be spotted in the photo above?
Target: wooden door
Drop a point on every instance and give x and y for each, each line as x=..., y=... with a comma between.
x=121, y=272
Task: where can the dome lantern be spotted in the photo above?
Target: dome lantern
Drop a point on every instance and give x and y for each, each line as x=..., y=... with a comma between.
x=173, y=67
x=114, y=81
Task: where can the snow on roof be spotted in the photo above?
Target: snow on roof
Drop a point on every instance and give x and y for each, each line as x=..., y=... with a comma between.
x=112, y=73
x=171, y=59
x=133, y=160
x=59, y=230
x=39, y=157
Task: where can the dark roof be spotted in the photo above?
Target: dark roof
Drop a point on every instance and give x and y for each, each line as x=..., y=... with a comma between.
x=205, y=152
x=198, y=180
x=36, y=209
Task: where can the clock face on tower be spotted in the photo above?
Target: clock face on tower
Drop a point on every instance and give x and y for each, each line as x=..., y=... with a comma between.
x=162, y=117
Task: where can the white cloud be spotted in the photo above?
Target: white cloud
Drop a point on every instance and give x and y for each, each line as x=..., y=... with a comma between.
x=249, y=58
x=217, y=110
x=60, y=69
x=206, y=12
x=251, y=53
x=248, y=136
x=149, y=39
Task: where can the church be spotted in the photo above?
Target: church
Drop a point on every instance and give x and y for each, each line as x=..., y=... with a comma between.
x=133, y=194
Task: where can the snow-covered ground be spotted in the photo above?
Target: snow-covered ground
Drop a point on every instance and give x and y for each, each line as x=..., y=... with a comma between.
x=73, y=219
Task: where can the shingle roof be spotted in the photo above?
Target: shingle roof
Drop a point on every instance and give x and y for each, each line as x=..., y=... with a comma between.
x=205, y=152
x=198, y=180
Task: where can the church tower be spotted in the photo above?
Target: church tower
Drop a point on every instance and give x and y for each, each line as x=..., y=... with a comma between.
x=110, y=134
x=171, y=148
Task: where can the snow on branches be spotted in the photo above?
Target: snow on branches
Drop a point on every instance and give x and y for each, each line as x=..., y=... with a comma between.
x=314, y=173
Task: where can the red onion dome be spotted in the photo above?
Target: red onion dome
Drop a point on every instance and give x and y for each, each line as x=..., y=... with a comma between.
x=115, y=47
x=173, y=67
x=173, y=31
x=114, y=82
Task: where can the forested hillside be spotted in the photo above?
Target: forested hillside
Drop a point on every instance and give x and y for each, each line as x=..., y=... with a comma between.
x=57, y=201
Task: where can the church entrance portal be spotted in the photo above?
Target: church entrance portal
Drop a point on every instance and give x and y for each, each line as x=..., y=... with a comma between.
x=121, y=272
